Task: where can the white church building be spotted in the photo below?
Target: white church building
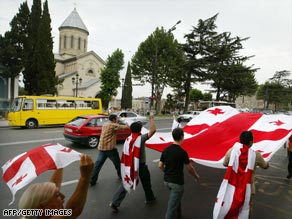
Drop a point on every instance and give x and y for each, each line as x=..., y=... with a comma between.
x=78, y=68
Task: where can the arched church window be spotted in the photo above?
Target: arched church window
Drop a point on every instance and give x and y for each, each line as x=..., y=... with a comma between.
x=84, y=45
x=79, y=43
x=72, y=42
x=90, y=72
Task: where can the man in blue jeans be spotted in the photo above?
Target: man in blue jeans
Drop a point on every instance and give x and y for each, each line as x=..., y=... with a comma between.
x=172, y=161
x=107, y=147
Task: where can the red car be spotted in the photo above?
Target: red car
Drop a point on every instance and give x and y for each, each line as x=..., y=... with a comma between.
x=86, y=130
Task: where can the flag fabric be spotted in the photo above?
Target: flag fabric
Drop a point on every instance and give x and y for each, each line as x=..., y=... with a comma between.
x=234, y=194
x=209, y=135
x=130, y=161
x=24, y=168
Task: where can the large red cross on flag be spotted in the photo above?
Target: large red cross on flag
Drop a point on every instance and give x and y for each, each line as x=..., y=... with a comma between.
x=209, y=135
x=234, y=194
x=130, y=161
x=24, y=168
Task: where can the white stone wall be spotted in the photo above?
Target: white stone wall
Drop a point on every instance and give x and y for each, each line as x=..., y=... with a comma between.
x=76, y=33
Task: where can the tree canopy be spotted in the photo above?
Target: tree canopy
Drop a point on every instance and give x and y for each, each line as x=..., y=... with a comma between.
x=12, y=53
x=110, y=77
x=157, y=59
x=126, y=101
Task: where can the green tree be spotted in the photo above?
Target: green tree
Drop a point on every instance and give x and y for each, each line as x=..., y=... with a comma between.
x=196, y=95
x=126, y=101
x=195, y=48
x=277, y=90
x=281, y=77
x=240, y=80
x=31, y=65
x=12, y=46
x=226, y=67
x=110, y=77
x=158, y=58
x=45, y=61
x=207, y=96
x=170, y=103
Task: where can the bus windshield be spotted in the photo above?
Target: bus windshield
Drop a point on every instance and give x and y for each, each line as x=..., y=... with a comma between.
x=16, y=105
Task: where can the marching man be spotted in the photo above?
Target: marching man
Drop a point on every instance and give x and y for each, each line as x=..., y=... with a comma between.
x=234, y=199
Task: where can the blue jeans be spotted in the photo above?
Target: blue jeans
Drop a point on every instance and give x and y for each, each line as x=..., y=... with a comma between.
x=113, y=155
x=174, y=204
x=119, y=195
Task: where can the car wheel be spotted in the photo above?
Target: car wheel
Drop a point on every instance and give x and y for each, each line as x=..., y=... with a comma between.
x=31, y=124
x=93, y=141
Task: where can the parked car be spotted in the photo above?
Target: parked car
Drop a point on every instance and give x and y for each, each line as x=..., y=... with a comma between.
x=128, y=116
x=86, y=130
x=188, y=116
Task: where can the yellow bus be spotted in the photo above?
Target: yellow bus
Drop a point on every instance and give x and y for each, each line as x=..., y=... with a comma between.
x=34, y=111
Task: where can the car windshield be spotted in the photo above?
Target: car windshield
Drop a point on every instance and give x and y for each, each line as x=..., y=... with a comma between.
x=77, y=121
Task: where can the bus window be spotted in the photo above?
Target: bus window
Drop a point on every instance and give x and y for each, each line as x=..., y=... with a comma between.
x=41, y=103
x=51, y=104
x=28, y=104
x=95, y=105
x=80, y=104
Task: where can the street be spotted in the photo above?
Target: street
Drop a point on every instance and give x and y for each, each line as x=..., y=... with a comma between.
x=273, y=199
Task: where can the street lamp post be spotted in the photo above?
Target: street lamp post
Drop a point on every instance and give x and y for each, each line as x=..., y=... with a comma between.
x=173, y=27
x=76, y=81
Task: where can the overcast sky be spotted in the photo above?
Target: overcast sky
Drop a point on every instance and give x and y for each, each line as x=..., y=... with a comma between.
x=124, y=24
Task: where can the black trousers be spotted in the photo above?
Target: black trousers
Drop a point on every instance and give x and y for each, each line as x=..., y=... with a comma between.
x=144, y=176
x=290, y=162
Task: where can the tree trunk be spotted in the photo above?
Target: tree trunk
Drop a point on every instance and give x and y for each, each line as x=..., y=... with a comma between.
x=12, y=86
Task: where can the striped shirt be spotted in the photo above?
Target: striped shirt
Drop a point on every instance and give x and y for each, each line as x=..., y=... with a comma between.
x=108, y=138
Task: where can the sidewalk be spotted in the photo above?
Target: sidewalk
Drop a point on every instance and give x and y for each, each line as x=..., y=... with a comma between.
x=3, y=123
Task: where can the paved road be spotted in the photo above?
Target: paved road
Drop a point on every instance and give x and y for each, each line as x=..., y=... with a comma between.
x=273, y=199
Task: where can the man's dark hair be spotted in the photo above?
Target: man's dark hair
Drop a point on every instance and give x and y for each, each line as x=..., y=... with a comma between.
x=112, y=117
x=136, y=127
x=246, y=137
x=177, y=134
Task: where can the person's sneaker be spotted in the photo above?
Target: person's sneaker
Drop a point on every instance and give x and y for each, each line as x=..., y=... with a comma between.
x=114, y=207
x=289, y=176
x=150, y=201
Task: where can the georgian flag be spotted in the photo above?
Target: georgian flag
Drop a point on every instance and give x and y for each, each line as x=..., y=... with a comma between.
x=209, y=135
x=130, y=161
x=234, y=194
x=24, y=168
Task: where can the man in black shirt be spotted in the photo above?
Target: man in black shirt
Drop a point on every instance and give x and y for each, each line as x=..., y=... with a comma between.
x=172, y=161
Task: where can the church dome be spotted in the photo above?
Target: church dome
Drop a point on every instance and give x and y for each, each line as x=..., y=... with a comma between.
x=74, y=21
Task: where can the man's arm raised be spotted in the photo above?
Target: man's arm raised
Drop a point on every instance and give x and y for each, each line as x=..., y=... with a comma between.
x=152, y=126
